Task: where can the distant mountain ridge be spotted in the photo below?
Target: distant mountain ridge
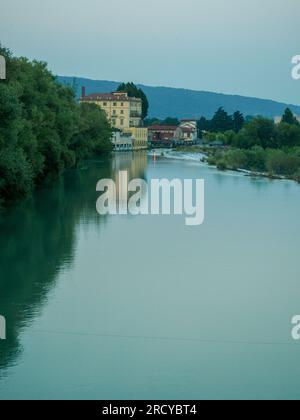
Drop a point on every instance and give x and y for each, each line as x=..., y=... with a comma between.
x=185, y=103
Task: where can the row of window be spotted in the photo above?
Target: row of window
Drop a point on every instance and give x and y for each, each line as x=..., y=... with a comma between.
x=132, y=123
x=114, y=104
x=115, y=112
x=114, y=121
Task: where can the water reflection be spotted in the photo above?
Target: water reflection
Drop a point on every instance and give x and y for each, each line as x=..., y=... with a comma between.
x=38, y=241
x=145, y=307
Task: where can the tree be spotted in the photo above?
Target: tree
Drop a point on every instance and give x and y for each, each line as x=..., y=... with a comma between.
x=156, y=121
x=134, y=92
x=256, y=159
x=289, y=118
x=151, y=121
x=94, y=133
x=281, y=163
x=221, y=121
x=203, y=125
x=170, y=121
x=259, y=132
x=238, y=121
x=288, y=135
x=229, y=137
x=236, y=159
x=40, y=123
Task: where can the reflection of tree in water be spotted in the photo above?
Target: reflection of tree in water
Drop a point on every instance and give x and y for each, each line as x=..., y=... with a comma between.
x=37, y=240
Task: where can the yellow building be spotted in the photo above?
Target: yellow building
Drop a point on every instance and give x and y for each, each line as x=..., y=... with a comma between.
x=123, y=112
x=139, y=137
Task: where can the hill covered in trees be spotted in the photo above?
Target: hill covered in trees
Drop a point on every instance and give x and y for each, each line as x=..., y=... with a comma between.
x=183, y=103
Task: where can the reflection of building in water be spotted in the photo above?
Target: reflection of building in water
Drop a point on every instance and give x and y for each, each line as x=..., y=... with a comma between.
x=134, y=163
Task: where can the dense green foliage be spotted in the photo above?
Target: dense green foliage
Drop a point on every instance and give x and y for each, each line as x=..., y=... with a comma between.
x=289, y=118
x=272, y=162
x=222, y=122
x=135, y=92
x=260, y=146
x=247, y=133
x=43, y=130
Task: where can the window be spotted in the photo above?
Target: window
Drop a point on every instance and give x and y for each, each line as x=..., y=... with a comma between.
x=122, y=121
x=115, y=104
x=122, y=112
x=104, y=103
x=122, y=104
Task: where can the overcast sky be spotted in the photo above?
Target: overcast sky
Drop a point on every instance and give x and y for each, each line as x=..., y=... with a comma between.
x=232, y=46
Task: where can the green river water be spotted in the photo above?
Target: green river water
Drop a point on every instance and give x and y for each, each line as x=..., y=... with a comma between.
x=144, y=307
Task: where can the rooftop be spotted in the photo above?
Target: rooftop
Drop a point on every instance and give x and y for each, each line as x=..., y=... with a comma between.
x=105, y=97
x=163, y=127
x=187, y=129
x=115, y=96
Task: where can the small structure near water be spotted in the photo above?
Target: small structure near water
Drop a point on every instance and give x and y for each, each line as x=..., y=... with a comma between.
x=122, y=141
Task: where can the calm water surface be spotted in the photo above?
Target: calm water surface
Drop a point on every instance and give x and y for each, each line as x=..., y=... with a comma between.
x=124, y=307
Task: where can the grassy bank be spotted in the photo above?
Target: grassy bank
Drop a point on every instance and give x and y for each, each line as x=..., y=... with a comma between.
x=272, y=163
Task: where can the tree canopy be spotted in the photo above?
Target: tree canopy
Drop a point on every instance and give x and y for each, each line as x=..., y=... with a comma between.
x=261, y=145
x=156, y=121
x=135, y=92
x=289, y=118
x=43, y=130
x=222, y=122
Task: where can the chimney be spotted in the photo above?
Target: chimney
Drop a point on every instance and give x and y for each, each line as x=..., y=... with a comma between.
x=83, y=92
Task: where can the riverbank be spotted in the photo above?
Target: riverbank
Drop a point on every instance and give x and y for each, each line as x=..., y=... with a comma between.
x=256, y=162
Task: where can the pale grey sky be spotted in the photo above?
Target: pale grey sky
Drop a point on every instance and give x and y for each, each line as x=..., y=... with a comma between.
x=232, y=46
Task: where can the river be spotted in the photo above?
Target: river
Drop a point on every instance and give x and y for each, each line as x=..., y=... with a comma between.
x=145, y=307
